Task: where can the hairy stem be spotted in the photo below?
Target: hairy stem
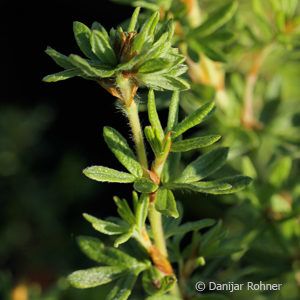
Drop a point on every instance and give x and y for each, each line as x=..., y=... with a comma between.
x=134, y=120
x=157, y=229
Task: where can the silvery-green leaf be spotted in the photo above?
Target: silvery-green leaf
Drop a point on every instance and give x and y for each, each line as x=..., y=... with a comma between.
x=87, y=68
x=165, y=27
x=92, y=277
x=146, y=29
x=204, y=165
x=102, y=48
x=153, y=138
x=165, y=202
x=123, y=287
x=105, y=227
x=237, y=182
x=187, y=227
x=208, y=187
x=194, y=143
x=156, y=284
x=159, y=82
x=83, y=35
x=97, y=251
x=173, y=111
x=152, y=114
x=178, y=70
x=154, y=65
x=63, y=75
x=144, y=185
x=119, y=146
x=192, y=120
x=123, y=238
x=142, y=211
x=133, y=20
x=60, y=59
x=104, y=174
x=124, y=210
x=99, y=27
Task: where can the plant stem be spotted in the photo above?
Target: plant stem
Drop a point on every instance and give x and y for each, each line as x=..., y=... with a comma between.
x=157, y=229
x=134, y=120
x=125, y=87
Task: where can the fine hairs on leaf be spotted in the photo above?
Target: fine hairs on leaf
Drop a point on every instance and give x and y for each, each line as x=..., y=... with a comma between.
x=144, y=242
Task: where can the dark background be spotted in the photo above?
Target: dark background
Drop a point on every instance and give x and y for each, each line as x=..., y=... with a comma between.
x=55, y=131
x=49, y=132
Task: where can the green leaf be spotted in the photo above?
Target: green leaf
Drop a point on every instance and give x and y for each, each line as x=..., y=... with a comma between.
x=104, y=174
x=212, y=235
x=146, y=29
x=237, y=182
x=193, y=119
x=97, y=251
x=105, y=227
x=123, y=238
x=99, y=27
x=154, y=65
x=187, y=227
x=156, y=50
x=63, y=75
x=124, y=210
x=119, y=146
x=142, y=211
x=83, y=35
x=156, y=284
x=173, y=112
x=153, y=138
x=60, y=59
x=208, y=187
x=195, y=143
x=178, y=70
x=280, y=170
x=144, y=185
x=88, y=278
x=152, y=114
x=160, y=82
x=168, y=27
x=220, y=37
x=204, y=165
x=165, y=202
x=123, y=287
x=133, y=20
x=213, y=53
x=216, y=19
x=102, y=48
x=150, y=24
x=87, y=69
